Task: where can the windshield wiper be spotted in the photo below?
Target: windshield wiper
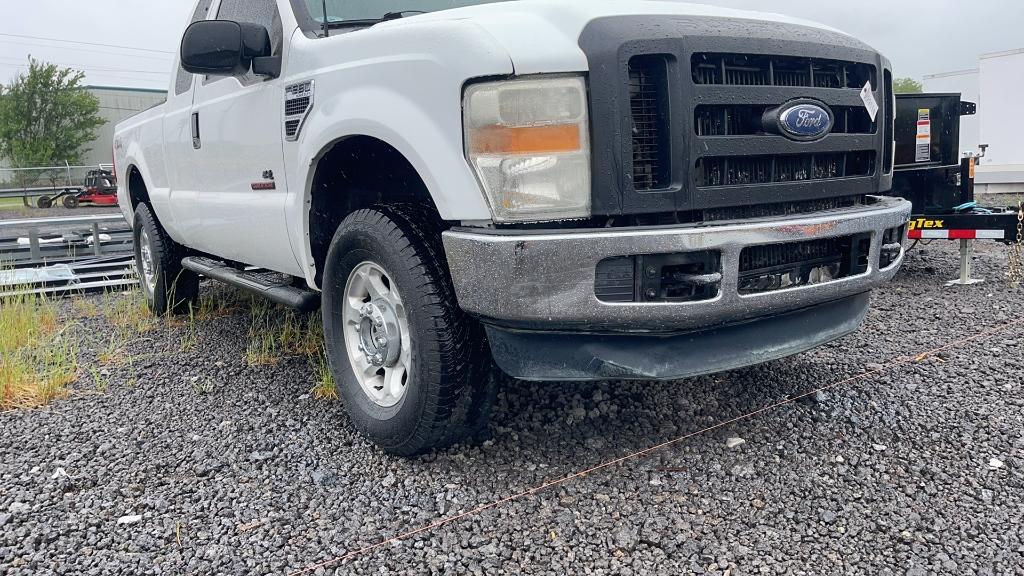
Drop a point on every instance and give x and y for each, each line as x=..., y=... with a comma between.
x=371, y=21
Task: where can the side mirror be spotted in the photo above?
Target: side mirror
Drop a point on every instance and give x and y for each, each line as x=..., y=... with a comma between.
x=223, y=47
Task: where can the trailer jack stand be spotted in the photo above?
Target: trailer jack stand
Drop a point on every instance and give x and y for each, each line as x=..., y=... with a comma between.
x=966, y=253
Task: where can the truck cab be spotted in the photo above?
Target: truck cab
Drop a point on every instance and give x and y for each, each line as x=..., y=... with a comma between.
x=569, y=190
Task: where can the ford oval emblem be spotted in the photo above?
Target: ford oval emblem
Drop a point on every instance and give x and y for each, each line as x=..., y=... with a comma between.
x=805, y=121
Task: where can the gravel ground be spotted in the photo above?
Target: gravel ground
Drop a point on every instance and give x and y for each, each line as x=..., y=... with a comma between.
x=199, y=464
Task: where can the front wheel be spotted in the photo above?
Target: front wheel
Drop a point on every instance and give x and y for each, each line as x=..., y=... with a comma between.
x=168, y=288
x=44, y=202
x=70, y=202
x=408, y=362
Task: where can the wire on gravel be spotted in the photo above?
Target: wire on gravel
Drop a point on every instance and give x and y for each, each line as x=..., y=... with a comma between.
x=898, y=362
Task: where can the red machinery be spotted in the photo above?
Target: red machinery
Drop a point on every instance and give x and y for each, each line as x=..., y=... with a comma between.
x=99, y=189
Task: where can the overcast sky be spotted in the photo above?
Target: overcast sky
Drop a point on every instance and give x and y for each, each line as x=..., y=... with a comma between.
x=920, y=37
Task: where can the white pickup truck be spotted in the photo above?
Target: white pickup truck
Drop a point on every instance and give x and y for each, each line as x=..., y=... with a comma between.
x=588, y=190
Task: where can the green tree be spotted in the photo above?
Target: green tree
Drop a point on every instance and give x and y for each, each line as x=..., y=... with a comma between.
x=47, y=117
x=907, y=86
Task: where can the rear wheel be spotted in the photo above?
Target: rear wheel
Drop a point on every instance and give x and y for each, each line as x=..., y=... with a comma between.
x=168, y=288
x=71, y=202
x=409, y=363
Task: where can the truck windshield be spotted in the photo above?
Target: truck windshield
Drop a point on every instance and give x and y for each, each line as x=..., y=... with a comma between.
x=339, y=11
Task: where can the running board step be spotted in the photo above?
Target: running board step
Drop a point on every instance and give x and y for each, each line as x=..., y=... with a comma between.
x=274, y=287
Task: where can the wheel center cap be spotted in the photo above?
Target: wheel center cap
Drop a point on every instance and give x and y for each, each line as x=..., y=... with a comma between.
x=380, y=337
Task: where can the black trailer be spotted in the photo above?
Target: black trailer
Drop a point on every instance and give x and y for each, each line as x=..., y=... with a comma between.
x=930, y=173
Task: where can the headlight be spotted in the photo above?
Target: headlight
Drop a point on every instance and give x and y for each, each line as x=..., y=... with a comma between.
x=529, y=142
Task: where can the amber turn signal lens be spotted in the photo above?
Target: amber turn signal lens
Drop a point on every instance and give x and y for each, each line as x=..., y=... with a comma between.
x=526, y=140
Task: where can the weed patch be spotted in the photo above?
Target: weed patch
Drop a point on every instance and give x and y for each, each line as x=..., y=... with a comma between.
x=275, y=332
x=203, y=387
x=128, y=314
x=86, y=307
x=326, y=388
x=38, y=361
x=263, y=345
x=220, y=302
x=190, y=339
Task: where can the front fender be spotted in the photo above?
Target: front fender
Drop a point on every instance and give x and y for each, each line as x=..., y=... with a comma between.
x=412, y=131
x=400, y=85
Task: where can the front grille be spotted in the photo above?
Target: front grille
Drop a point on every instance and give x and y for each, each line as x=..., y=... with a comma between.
x=679, y=124
x=780, y=209
x=758, y=70
x=745, y=120
x=889, y=118
x=745, y=170
x=760, y=258
x=781, y=266
x=647, y=95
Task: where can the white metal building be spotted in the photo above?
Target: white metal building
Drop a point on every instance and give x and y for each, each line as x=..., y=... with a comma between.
x=116, y=104
x=996, y=86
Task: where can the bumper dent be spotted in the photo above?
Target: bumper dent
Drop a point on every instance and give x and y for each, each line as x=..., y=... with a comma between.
x=545, y=281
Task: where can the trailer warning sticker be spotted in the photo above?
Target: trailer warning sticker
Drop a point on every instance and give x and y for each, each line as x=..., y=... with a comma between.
x=867, y=94
x=924, y=136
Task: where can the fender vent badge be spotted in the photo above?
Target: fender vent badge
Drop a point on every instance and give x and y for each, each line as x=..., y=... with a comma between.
x=298, y=101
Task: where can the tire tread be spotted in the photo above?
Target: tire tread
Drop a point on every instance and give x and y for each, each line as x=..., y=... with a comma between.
x=454, y=340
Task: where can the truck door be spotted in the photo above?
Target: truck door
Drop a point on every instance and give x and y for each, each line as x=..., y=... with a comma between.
x=180, y=201
x=240, y=164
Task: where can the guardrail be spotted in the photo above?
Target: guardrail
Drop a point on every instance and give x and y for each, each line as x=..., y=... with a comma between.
x=32, y=192
x=61, y=255
x=39, y=249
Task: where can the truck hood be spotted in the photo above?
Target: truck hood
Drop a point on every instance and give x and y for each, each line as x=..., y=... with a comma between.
x=542, y=36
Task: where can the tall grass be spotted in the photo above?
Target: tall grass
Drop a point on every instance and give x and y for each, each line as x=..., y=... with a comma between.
x=129, y=314
x=275, y=332
x=38, y=360
x=326, y=388
x=190, y=339
x=263, y=347
x=220, y=301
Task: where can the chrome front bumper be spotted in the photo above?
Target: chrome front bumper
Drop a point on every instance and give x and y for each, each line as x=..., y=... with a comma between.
x=540, y=280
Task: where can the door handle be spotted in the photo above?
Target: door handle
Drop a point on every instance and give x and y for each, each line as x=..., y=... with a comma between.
x=197, y=142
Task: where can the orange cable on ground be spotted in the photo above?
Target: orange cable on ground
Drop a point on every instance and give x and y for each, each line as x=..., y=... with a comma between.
x=647, y=451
